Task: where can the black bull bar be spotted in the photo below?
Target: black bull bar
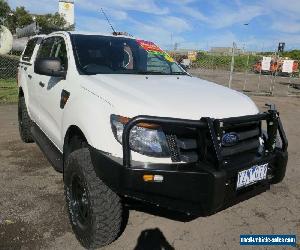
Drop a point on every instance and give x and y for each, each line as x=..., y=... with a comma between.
x=215, y=127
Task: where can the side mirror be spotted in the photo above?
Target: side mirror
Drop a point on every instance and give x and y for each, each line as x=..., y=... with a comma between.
x=49, y=67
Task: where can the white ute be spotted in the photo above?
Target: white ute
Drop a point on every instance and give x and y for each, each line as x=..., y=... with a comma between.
x=124, y=122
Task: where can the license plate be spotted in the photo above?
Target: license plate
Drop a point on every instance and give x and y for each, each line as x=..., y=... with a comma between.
x=252, y=175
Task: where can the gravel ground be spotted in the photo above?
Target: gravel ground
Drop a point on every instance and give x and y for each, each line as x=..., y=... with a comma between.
x=33, y=213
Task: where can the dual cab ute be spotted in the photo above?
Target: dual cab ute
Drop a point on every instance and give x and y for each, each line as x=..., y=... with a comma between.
x=123, y=121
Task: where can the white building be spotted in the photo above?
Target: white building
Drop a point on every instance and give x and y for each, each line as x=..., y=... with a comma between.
x=66, y=10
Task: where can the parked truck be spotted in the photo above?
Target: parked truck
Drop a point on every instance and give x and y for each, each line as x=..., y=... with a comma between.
x=124, y=122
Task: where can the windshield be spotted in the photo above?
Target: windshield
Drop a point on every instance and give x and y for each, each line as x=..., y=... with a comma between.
x=118, y=55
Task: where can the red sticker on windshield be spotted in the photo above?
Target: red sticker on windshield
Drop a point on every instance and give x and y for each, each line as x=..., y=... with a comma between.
x=149, y=46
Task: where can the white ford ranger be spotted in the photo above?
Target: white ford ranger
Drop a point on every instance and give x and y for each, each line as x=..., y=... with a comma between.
x=123, y=121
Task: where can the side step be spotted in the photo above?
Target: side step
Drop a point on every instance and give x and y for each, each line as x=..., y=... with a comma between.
x=54, y=156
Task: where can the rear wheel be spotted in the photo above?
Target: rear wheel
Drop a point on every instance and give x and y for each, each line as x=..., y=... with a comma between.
x=95, y=211
x=25, y=122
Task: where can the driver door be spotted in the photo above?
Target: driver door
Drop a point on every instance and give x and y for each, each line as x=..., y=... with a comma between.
x=50, y=90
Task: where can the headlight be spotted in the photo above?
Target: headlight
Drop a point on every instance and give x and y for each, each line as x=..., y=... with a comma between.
x=146, y=139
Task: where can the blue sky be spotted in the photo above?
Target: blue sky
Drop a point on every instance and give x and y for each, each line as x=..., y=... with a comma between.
x=195, y=24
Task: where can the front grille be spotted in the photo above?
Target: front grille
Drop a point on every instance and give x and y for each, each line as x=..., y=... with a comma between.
x=192, y=145
x=248, y=138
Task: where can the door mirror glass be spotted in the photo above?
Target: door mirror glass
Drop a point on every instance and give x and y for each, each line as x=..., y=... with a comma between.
x=49, y=67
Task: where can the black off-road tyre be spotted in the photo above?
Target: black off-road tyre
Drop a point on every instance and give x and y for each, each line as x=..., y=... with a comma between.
x=95, y=211
x=25, y=122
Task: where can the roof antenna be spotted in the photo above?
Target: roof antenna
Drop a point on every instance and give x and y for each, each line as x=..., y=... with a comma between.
x=114, y=31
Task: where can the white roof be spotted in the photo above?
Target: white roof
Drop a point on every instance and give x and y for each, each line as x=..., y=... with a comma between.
x=98, y=34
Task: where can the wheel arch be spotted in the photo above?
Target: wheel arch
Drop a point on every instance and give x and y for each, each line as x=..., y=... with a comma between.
x=74, y=139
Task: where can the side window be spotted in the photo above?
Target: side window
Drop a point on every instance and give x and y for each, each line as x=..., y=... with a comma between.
x=29, y=50
x=54, y=47
x=59, y=51
x=46, y=48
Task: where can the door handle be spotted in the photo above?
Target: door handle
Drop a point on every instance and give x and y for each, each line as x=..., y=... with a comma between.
x=42, y=84
x=30, y=76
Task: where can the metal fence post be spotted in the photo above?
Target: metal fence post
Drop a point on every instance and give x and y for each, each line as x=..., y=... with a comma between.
x=232, y=65
x=246, y=71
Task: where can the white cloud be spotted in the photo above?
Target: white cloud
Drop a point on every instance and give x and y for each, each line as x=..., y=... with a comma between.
x=225, y=17
x=90, y=24
x=159, y=34
x=222, y=15
x=286, y=7
x=148, y=6
x=194, y=13
x=117, y=14
x=174, y=24
x=286, y=26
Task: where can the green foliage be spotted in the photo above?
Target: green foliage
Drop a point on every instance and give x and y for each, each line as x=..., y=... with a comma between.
x=50, y=23
x=8, y=91
x=21, y=17
x=4, y=9
x=293, y=54
x=210, y=61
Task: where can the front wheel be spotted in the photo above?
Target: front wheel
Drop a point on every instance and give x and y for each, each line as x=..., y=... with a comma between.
x=95, y=211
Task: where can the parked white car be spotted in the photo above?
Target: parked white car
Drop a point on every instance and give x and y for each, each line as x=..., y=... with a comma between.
x=123, y=121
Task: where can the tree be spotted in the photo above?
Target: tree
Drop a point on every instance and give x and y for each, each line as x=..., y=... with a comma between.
x=4, y=9
x=20, y=18
x=4, y=12
x=49, y=23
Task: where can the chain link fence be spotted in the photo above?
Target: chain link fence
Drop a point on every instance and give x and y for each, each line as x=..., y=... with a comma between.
x=240, y=71
x=8, y=67
x=8, y=78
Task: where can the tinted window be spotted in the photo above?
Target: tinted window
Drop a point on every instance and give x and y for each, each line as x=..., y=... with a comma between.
x=29, y=49
x=119, y=55
x=46, y=48
x=59, y=51
x=54, y=47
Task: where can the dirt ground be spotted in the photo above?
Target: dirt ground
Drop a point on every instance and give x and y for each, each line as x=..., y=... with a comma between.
x=33, y=213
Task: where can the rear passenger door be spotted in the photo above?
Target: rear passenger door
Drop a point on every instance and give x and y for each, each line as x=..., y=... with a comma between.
x=26, y=77
x=50, y=90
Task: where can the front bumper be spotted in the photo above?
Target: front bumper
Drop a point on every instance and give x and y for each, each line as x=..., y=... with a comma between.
x=199, y=188
x=194, y=188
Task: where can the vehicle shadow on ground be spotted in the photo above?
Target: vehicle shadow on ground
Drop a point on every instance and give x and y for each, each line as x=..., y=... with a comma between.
x=153, y=239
